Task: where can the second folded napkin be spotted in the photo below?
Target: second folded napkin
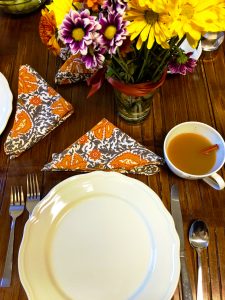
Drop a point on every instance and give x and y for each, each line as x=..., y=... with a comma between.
x=105, y=147
x=72, y=71
x=39, y=110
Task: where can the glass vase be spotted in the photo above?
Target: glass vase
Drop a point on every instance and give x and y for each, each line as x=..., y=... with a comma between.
x=212, y=40
x=133, y=109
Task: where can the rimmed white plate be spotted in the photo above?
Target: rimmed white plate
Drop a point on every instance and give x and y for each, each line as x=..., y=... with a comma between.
x=6, y=99
x=100, y=236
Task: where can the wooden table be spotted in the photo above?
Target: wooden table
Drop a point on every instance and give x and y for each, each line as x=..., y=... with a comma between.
x=199, y=96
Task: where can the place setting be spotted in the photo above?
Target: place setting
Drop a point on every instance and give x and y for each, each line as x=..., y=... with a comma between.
x=99, y=227
x=111, y=158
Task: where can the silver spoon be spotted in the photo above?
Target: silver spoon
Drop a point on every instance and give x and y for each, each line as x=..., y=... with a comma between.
x=199, y=239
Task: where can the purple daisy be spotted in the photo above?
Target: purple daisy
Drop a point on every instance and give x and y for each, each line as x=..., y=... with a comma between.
x=76, y=30
x=114, y=5
x=182, y=64
x=113, y=31
x=94, y=58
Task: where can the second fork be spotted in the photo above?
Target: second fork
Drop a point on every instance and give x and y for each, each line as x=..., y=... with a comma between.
x=33, y=192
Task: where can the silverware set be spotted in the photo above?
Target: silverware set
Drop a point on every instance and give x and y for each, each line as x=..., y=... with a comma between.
x=16, y=208
x=199, y=240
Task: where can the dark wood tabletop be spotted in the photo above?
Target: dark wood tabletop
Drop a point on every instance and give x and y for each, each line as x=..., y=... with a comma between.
x=199, y=96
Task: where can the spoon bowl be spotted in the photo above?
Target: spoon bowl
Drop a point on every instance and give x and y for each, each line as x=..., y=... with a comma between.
x=199, y=235
x=199, y=240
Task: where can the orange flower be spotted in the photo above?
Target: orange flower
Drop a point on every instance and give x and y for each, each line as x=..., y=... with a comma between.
x=95, y=154
x=35, y=100
x=93, y=4
x=47, y=31
x=126, y=47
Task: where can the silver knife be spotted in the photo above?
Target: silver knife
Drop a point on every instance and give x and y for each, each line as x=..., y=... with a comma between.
x=177, y=216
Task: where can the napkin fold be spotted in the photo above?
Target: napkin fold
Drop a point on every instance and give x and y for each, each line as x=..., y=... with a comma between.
x=72, y=71
x=39, y=110
x=105, y=147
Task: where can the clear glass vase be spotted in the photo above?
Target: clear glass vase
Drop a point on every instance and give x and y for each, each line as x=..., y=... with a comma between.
x=212, y=40
x=133, y=109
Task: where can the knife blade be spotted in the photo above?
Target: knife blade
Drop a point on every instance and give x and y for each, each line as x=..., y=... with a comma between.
x=177, y=216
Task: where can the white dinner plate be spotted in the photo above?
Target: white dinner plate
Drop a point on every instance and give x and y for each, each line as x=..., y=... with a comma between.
x=100, y=236
x=6, y=99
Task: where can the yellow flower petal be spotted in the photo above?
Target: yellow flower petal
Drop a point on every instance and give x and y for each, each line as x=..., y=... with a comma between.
x=60, y=8
x=145, y=32
x=139, y=43
x=150, y=39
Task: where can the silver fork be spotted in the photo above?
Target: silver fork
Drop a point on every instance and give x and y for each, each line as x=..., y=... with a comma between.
x=15, y=210
x=33, y=192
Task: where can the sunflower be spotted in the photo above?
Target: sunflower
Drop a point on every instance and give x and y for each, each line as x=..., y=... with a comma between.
x=149, y=21
x=195, y=17
x=60, y=8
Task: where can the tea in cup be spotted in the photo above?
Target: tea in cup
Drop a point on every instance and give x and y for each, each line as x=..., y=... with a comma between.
x=194, y=150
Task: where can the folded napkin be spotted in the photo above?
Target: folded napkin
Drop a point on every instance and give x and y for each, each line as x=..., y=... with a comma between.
x=40, y=109
x=105, y=147
x=72, y=71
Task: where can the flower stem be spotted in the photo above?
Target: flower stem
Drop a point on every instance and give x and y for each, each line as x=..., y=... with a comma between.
x=144, y=64
x=163, y=63
x=123, y=65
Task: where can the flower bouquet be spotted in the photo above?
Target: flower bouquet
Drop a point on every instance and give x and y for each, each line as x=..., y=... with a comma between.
x=131, y=43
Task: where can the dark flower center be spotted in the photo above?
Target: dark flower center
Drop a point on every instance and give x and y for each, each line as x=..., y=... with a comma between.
x=151, y=17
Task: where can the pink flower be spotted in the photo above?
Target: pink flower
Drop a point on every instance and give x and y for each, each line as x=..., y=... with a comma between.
x=182, y=64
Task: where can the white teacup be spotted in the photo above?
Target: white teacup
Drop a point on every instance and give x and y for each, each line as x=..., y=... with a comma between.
x=212, y=178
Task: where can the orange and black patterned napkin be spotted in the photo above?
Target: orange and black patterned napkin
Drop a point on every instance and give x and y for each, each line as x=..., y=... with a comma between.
x=40, y=109
x=105, y=147
x=73, y=70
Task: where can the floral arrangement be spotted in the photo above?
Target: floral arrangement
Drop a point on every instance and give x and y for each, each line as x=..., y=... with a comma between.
x=131, y=41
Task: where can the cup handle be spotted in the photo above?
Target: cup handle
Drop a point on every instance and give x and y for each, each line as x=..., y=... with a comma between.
x=215, y=181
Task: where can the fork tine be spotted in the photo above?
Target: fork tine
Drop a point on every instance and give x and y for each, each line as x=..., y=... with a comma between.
x=21, y=195
x=33, y=185
x=11, y=196
x=28, y=186
x=37, y=186
x=17, y=195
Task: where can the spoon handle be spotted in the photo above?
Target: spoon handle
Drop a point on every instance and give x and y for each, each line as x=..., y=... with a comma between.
x=199, y=285
x=186, y=286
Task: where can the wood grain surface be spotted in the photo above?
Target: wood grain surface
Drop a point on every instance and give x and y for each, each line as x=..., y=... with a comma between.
x=200, y=96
